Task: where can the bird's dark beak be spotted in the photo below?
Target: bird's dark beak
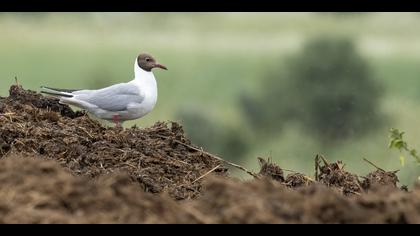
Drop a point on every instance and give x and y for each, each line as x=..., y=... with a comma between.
x=160, y=66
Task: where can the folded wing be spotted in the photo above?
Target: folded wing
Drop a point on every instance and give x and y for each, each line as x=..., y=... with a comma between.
x=113, y=98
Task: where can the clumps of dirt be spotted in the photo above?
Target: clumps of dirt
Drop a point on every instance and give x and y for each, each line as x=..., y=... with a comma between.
x=296, y=180
x=380, y=177
x=158, y=158
x=34, y=190
x=268, y=201
x=333, y=175
x=270, y=170
x=19, y=95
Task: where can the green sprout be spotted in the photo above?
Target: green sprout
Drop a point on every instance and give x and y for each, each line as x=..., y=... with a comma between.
x=397, y=141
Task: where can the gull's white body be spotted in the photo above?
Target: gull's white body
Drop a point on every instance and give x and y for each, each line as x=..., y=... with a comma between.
x=124, y=101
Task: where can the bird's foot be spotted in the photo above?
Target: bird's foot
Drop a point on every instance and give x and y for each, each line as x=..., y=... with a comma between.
x=116, y=120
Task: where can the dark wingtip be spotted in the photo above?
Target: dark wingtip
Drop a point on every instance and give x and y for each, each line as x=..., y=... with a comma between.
x=57, y=94
x=60, y=90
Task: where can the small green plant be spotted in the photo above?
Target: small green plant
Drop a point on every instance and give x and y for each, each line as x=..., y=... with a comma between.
x=397, y=142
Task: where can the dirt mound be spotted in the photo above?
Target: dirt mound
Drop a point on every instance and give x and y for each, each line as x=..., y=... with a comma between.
x=296, y=180
x=333, y=175
x=35, y=190
x=20, y=96
x=380, y=177
x=266, y=201
x=270, y=170
x=158, y=158
x=40, y=191
x=60, y=166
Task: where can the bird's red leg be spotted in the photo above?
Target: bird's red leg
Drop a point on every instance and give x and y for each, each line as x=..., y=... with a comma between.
x=116, y=119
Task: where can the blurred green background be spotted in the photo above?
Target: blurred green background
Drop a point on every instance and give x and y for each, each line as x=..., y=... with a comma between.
x=244, y=85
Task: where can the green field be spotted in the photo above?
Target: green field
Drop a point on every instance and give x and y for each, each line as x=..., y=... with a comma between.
x=214, y=57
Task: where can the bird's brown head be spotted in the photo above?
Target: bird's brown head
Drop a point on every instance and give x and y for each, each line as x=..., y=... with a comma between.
x=147, y=62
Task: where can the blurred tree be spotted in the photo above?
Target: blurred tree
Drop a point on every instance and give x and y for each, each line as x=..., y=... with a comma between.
x=328, y=87
x=212, y=134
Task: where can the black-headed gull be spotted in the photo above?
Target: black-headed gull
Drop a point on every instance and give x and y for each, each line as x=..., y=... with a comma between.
x=119, y=102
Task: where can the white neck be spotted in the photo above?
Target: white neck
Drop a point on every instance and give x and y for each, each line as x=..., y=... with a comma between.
x=146, y=81
x=145, y=78
x=139, y=73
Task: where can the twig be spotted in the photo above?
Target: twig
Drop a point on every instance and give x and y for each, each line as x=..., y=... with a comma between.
x=7, y=114
x=208, y=172
x=324, y=160
x=16, y=80
x=308, y=178
x=358, y=185
x=214, y=156
x=289, y=170
x=326, y=163
x=84, y=130
x=373, y=165
x=183, y=162
x=262, y=161
x=125, y=163
x=18, y=141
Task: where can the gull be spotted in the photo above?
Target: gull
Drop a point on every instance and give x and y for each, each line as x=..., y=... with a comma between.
x=119, y=102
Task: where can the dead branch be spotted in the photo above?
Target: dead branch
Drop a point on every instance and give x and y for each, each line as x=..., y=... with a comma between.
x=214, y=156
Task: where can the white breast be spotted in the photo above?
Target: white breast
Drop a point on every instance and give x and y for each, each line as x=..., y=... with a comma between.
x=147, y=85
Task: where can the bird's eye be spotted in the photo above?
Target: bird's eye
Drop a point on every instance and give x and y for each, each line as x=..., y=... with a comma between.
x=147, y=59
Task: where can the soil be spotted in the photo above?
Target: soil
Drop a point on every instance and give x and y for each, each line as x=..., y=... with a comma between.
x=153, y=157
x=61, y=166
x=35, y=190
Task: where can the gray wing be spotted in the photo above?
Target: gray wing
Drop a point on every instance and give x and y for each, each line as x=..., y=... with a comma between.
x=114, y=98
